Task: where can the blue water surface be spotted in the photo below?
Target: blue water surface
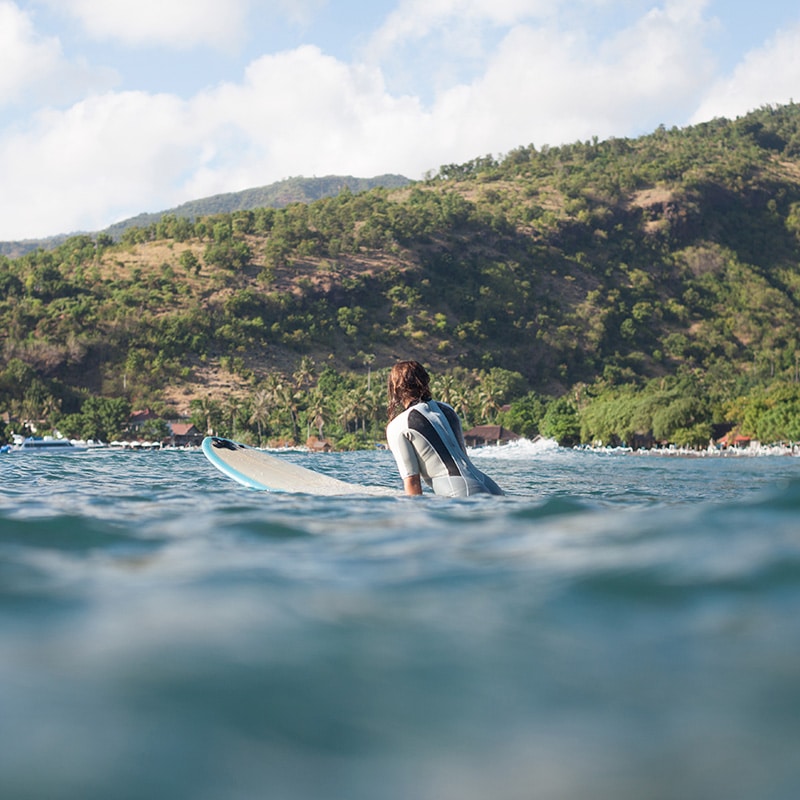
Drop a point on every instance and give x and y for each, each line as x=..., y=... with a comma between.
x=618, y=626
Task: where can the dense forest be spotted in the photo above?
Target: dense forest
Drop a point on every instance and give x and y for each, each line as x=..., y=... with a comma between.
x=631, y=290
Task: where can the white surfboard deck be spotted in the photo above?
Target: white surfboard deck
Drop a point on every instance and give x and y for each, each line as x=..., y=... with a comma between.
x=268, y=473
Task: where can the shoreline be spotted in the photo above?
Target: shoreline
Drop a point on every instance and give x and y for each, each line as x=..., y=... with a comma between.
x=756, y=451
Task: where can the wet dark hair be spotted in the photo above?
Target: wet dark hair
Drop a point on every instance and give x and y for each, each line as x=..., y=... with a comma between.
x=409, y=383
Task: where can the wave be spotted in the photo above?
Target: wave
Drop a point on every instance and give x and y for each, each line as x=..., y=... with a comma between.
x=520, y=449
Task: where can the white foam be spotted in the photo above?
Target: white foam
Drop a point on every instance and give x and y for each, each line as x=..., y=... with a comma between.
x=517, y=450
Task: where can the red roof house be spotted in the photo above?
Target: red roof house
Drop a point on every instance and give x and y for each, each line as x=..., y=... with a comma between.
x=483, y=435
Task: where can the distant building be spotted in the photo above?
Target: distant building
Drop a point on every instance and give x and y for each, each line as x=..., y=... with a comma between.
x=483, y=435
x=138, y=418
x=734, y=439
x=316, y=445
x=184, y=434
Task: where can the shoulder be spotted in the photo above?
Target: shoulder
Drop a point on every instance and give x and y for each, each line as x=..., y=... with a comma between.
x=399, y=423
x=449, y=412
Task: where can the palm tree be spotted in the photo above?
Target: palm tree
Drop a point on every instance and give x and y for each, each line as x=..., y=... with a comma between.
x=487, y=397
x=282, y=399
x=362, y=409
x=304, y=373
x=445, y=388
x=348, y=404
x=368, y=358
x=208, y=410
x=231, y=408
x=374, y=406
x=288, y=399
x=462, y=403
x=260, y=410
x=316, y=412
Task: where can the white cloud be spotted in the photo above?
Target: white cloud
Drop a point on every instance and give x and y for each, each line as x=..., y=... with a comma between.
x=432, y=44
x=302, y=112
x=26, y=59
x=34, y=69
x=661, y=62
x=115, y=155
x=77, y=169
x=770, y=74
x=178, y=24
x=548, y=86
x=416, y=19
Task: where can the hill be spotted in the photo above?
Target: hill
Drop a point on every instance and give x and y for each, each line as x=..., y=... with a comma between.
x=275, y=195
x=22, y=246
x=667, y=263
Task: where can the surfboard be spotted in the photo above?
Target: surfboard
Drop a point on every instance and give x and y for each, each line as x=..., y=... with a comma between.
x=269, y=473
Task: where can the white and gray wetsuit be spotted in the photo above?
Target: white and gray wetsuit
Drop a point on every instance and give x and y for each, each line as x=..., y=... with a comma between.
x=426, y=440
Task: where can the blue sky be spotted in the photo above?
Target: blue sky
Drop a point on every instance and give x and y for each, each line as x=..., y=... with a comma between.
x=113, y=107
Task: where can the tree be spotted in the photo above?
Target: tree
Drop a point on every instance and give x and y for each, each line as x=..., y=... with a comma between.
x=304, y=373
x=104, y=418
x=462, y=403
x=205, y=414
x=347, y=407
x=155, y=430
x=525, y=415
x=560, y=422
x=190, y=262
x=231, y=407
x=374, y=407
x=367, y=359
x=444, y=387
x=769, y=414
x=487, y=398
x=684, y=421
x=316, y=412
x=288, y=399
x=260, y=411
x=16, y=377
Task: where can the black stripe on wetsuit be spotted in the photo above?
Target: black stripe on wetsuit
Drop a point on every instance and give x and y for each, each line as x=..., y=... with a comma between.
x=451, y=417
x=422, y=425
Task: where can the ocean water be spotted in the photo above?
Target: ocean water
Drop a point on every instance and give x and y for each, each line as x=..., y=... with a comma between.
x=619, y=626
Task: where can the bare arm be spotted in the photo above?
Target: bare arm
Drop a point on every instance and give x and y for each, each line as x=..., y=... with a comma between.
x=412, y=485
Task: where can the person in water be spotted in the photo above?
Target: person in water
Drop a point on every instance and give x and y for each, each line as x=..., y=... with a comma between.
x=426, y=438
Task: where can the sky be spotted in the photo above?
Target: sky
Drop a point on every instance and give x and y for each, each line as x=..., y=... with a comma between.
x=110, y=108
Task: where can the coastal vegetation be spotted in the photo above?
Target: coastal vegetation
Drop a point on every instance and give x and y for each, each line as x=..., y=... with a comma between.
x=622, y=291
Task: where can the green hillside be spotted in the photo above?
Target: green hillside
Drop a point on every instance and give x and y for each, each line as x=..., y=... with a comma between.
x=275, y=195
x=598, y=285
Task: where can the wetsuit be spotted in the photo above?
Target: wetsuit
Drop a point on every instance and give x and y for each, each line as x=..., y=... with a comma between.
x=426, y=440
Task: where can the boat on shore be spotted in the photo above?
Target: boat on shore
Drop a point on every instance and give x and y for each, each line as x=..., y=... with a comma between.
x=44, y=444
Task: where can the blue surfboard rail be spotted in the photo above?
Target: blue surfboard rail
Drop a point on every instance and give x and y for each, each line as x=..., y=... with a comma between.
x=210, y=446
x=256, y=469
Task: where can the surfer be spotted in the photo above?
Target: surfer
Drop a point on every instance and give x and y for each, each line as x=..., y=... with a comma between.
x=426, y=438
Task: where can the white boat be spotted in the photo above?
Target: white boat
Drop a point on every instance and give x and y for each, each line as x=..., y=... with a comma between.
x=46, y=444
